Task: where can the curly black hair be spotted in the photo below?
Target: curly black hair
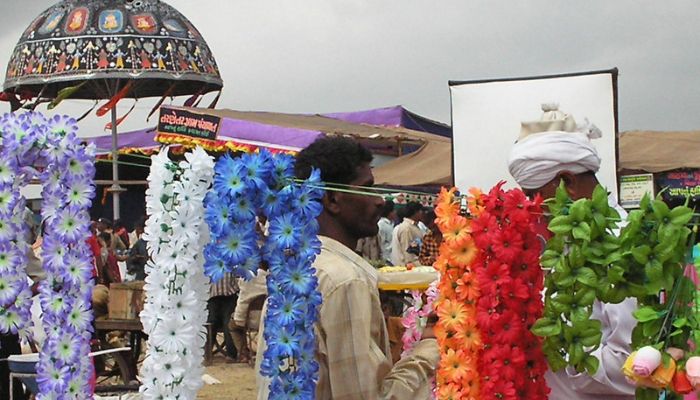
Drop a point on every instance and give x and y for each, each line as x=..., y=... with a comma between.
x=336, y=157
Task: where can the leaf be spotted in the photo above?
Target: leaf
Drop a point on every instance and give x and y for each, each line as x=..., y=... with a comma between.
x=545, y=327
x=579, y=209
x=615, y=273
x=591, y=364
x=613, y=257
x=600, y=198
x=560, y=225
x=587, y=276
x=562, y=196
x=646, y=314
x=654, y=272
x=580, y=314
x=564, y=280
x=680, y=216
x=680, y=322
x=585, y=297
x=582, y=231
x=660, y=209
x=676, y=332
x=641, y=253
x=576, y=258
x=576, y=353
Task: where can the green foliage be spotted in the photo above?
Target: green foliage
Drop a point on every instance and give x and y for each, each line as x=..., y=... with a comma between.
x=590, y=260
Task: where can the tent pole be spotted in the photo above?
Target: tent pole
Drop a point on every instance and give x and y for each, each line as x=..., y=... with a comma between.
x=116, y=189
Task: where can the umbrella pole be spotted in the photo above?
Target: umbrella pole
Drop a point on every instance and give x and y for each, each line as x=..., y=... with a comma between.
x=116, y=189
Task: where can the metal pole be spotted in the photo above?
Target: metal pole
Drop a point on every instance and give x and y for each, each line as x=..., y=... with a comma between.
x=116, y=189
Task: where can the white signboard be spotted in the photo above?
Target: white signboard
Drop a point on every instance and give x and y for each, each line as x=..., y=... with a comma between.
x=486, y=117
x=634, y=187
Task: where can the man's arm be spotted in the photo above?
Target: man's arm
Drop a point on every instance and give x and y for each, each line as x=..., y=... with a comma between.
x=355, y=362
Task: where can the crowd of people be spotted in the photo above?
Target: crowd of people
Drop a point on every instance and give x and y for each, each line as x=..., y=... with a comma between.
x=407, y=236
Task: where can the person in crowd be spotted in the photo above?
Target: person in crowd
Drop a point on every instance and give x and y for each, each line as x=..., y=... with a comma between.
x=430, y=249
x=223, y=296
x=353, y=349
x=121, y=231
x=249, y=290
x=370, y=249
x=105, y=225
x=138, y=255
x=386, y=229
x=539, y=162
x=407, y=237
x=100, y=292
x=110, y=264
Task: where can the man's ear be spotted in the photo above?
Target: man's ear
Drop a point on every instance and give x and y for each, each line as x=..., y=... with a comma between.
x=331, y=202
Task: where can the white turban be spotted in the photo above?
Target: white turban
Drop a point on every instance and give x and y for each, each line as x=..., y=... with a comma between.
x=538, y=158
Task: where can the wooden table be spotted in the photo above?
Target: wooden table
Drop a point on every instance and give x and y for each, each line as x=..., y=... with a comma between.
x=128, y=364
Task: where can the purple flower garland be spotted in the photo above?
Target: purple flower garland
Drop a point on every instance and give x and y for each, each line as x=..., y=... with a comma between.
x=48, y=149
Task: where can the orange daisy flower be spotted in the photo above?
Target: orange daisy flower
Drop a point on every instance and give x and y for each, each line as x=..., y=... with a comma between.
x=457, y=229
x=441, y=264
x=452, y=313
x=473, y=386
x=446, y=337
x=449, y=391
x=469, y=334
x=475, y=201
x=454, y=365
x=467, y=288
x=445, y=197
x=462, y=252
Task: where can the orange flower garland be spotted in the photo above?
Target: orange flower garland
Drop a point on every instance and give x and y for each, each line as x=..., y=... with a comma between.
x=457, y=335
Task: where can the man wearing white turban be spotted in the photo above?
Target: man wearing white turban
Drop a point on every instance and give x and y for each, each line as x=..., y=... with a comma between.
x=548, y=152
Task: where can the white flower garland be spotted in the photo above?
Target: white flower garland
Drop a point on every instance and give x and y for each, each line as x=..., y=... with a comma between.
x=176, y=288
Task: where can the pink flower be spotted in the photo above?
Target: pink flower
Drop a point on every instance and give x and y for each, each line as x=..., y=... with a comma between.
x=692, y=369
x=646, y=361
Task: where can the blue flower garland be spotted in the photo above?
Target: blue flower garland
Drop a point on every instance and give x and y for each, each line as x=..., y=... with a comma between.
x=263, y=184
x=33, y=146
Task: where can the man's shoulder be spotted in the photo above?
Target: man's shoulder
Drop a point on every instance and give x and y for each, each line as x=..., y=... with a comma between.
x=334, y=270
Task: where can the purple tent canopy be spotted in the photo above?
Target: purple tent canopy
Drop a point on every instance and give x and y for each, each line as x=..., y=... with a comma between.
x=396, y=116
x=283, y=138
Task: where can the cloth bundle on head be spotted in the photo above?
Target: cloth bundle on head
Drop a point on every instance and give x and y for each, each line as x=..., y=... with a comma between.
x=552, y=145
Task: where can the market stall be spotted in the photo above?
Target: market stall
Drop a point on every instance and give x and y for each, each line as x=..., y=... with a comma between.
x=659, y=162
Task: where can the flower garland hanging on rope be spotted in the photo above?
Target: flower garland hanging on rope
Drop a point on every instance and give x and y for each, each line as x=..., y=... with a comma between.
x=260, y=184
x=456, y=330
x=176, y=288
x=512, y=365
x=48, y=149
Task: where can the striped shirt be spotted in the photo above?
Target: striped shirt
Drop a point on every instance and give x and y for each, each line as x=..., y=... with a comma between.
x=226, y=286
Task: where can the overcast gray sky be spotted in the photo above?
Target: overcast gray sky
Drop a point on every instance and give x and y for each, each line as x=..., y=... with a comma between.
x=344, y=55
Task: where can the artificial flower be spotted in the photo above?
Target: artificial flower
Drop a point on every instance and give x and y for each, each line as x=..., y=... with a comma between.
x=258, y=184
x=692, y=369
x=176, y=289
x=462, y=252
x=646, y=361
x=456, y=229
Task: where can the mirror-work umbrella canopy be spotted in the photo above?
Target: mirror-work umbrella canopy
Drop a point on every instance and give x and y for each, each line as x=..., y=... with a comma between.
x=108, y=43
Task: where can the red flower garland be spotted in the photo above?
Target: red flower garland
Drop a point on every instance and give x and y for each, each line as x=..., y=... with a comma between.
x=511, y=365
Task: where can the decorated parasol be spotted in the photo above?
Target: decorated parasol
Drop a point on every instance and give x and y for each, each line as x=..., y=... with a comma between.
x=111, y=50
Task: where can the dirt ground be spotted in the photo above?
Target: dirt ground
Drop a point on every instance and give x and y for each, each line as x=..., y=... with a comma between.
x=237, y=382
